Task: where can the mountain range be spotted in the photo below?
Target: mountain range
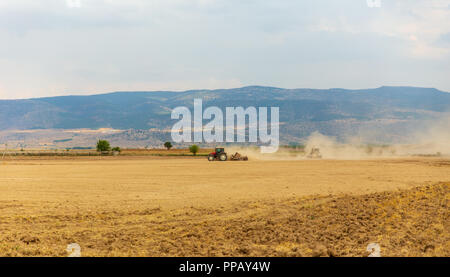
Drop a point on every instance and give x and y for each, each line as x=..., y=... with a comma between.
x=383, y=114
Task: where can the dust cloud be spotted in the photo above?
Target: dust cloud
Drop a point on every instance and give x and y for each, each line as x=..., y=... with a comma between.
x=429, y=139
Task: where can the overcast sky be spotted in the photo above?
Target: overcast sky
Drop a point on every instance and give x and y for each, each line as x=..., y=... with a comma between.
x=61, y=47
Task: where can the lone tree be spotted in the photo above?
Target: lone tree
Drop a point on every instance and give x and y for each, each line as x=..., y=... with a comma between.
x=194, y=149
x=168, y=145
x=103, y=146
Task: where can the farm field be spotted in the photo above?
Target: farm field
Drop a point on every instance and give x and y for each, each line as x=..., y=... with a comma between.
x=183, y=206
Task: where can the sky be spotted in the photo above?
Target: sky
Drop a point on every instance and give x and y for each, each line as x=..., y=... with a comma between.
x=65, y=47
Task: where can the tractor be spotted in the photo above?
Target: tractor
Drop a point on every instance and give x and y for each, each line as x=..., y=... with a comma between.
x=218, y=155
x=315, y=153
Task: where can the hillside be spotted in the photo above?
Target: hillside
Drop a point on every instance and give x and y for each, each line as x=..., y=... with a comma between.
x=385, y=113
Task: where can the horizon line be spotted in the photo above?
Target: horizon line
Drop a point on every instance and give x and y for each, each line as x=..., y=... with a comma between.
x=210, y=90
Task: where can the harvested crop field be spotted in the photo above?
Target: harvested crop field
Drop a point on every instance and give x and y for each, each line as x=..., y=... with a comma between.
x=180, y=206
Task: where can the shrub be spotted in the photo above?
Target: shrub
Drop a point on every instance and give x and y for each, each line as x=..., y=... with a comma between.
x=103, y=146
x=194, y=149
x=168, y=145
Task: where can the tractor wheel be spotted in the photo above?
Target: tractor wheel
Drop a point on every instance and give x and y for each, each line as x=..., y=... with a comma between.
x=210, y=158
x=223, y=157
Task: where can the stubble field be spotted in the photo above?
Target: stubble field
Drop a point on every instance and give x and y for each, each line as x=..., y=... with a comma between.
x=182, y=206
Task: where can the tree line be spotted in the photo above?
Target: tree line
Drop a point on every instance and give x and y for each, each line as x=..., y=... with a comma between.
x=105, y=146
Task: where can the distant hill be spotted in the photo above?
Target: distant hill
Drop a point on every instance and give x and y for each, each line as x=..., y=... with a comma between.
x=336, y=112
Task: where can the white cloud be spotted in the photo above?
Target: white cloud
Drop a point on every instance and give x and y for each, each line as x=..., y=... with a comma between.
x=101, y=45
x=73, y=3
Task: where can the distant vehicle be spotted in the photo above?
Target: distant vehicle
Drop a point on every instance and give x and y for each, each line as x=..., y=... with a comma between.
x=315, y=153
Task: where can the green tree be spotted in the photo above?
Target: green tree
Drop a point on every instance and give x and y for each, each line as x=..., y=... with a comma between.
x=116, y=149
x=103, y=145
x=168, y=145
x=194, y=149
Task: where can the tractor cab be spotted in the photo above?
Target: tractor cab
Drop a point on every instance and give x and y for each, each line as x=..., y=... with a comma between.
x=219, y=150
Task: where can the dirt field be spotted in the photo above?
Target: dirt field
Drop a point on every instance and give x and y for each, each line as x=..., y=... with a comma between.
x=180, y=206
